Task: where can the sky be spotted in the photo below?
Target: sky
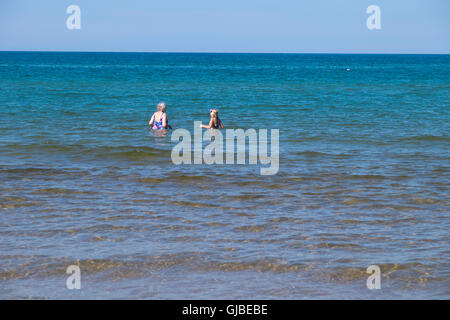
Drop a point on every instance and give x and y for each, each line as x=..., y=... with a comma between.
x=287, y=26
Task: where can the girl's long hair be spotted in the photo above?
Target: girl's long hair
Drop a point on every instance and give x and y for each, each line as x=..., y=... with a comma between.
x=215, y=114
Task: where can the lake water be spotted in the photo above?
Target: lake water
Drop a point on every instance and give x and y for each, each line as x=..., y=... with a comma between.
x=363, y=177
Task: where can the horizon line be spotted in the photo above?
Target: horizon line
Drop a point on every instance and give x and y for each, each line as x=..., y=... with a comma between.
x=218, y=52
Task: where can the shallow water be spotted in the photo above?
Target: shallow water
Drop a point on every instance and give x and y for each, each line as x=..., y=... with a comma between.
x=363, y=178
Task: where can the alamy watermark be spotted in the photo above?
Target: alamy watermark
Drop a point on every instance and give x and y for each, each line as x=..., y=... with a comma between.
x=374, y=280
x=214, y=153
x=73, y=22
x=374, y=20
x=74, y=280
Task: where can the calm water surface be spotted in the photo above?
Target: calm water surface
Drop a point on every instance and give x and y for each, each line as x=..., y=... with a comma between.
x=363, y=179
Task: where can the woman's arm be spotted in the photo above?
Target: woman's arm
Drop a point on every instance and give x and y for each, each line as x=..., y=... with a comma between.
x=221, y=124
x=164, y=120
x=152, y=119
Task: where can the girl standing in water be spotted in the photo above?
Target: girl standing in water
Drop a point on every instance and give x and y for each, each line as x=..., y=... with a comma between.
x=214, y=122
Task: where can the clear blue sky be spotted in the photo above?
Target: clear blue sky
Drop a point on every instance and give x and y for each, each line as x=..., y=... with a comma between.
x=335, y=26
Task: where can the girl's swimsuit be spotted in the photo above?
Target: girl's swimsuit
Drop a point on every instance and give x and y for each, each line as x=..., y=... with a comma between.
x=216, y=126
x=158, y=125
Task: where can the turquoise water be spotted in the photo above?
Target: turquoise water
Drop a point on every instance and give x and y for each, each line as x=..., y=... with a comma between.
x=363, y=178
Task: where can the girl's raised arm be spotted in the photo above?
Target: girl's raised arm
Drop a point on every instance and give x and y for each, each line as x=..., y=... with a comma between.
x=209, y=126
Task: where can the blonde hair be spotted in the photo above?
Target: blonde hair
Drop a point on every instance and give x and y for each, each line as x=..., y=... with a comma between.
x=214, y=113
x=161, y=107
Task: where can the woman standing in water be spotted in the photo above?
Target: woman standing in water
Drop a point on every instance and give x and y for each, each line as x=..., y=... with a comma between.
x=159, y=120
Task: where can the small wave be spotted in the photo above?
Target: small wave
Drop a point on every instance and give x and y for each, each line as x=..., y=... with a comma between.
x=256, y=228
x=246, y=197
x=177, y=177
x=124, y=152
x=348, y=177
x=32, y=171
x=391, y=221
x=303, y=139
x=427, y=138
x=141, y=266
x=128, y=152
x=407, y=272
x=64, y=191
x=76, y=94
x=137, y=154
x=348, y=246
x=362, y=176
x=98, y=103
x=428, y=201
x=192, y=204
x=123, y=267
x=311, y=154
x=15, y=205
